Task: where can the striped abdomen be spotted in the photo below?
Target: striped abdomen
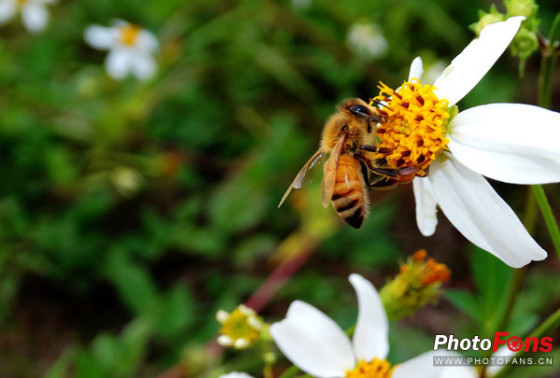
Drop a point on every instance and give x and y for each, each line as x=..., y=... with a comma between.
x=349, y=197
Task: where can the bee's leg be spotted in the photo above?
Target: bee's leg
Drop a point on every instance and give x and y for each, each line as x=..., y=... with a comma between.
x=384, y=183
x=365, y=173
x=376, y=181
x=385, y=172
x=372, y=148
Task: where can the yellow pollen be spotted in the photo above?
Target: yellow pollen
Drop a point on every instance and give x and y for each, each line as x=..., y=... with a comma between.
x=375, y=369
x=238, y=326
x=129, y=34
x=414, y=133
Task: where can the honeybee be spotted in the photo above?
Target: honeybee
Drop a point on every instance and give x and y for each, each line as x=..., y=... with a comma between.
x=346, y=134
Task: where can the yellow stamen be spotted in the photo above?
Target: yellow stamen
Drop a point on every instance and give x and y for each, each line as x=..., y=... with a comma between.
x=242, y=326
x=375, y=369
x=414, y=133
x=129, y=34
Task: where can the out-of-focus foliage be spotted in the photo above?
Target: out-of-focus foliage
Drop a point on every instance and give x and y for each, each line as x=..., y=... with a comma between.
x=131, y=212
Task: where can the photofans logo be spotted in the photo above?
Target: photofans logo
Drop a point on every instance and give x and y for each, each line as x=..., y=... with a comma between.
x=514, y=343
x=508, y=346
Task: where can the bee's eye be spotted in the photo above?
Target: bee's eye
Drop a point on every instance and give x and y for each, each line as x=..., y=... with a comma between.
x=359, y=110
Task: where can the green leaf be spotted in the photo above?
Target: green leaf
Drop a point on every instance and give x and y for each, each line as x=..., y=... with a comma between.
x=492, y=278
x=466, y=302
x=175, y=312
x=133, y=283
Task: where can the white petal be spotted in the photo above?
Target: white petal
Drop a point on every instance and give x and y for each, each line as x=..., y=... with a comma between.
x=146, y=41
x=117, y=23
x=235, y=374
x=143, y=66
x=426, y=206
x=119, y=63
x=514, y=143
x=7, y=10
x=371, y=337
x=313, y=341
x=100, y=37
x=416, y=69
x=466, y=70
x=476, y=210
x=35, y=16
x=422, y=366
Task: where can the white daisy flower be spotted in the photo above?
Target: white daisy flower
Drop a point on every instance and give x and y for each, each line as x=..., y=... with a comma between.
x=319, y=347
x=130, y=49
x=513, y=143
x=33, y=12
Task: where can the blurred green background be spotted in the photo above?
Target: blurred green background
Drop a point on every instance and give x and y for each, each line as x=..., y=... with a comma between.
x=131, y=212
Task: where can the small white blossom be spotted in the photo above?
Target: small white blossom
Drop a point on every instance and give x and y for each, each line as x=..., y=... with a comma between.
x=33, y=12
x=367, y=40
x=300, y=5
x=130, y=49
x=235, y=374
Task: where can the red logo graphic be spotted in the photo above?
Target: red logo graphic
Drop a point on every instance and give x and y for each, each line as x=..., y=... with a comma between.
x=515, y=343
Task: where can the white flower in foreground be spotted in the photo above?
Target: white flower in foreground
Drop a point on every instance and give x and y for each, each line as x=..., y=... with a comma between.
x=130, y=49
x=513, y=143
x=318, y=346
x=33, y=12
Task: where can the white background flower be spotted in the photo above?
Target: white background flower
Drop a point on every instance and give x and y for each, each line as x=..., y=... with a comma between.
x=513, y=143
x=368, y=40
x=235, y=374
x=33, y=12
x=318, y=346
x=130, y=49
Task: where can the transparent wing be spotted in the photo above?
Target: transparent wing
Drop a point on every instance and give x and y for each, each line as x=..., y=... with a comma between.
x=298, y=181
x=329, y=177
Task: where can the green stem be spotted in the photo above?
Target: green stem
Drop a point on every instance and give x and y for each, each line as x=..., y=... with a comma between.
x=292, y=372
x=545, y=93
x=531, y=212
x=544, y=329
x=547, y=65
x=546, y=211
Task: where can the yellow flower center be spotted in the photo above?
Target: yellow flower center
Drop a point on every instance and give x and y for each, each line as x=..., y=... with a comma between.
x=129, y=34
x=375, y=369
x=20, y=3
x=414, y=134
x=242, y=323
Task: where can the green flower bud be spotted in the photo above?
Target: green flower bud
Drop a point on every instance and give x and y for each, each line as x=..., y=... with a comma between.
x=526, y=8
x=487, y=19
x=417, y=284
x=525, y=43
